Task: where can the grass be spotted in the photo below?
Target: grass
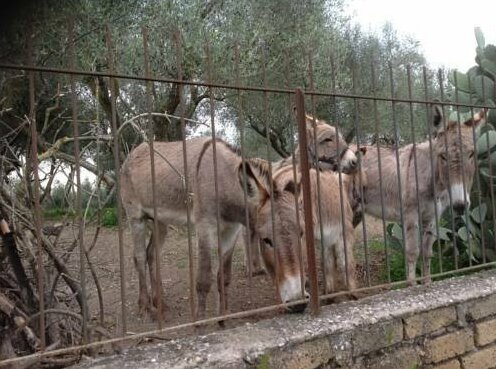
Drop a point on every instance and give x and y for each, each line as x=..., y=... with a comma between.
x=109, y=215
x=397, y=267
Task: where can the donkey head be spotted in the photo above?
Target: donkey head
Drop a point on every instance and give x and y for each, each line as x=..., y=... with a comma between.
x=327, y=148
x=276, y=229
x=455, y=156
x=355, y=184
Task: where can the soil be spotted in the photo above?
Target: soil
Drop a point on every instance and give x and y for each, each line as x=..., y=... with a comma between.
x=175, y=276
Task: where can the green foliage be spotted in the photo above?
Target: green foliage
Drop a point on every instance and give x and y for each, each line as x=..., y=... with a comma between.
x=475, y=230
x=109, y=217
x=442, y=261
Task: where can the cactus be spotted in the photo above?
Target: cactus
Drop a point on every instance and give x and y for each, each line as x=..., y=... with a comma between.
x=477, y=87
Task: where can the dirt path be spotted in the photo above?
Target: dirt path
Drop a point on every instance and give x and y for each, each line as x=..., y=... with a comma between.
x=175, y=275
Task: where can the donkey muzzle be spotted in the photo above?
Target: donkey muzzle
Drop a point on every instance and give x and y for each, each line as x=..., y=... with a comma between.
x=299, y=308
x=459, y=208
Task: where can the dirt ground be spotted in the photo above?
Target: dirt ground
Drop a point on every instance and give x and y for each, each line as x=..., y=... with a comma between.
x=175, y=275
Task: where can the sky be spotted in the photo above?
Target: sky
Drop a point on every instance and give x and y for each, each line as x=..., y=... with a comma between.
x=445, y=29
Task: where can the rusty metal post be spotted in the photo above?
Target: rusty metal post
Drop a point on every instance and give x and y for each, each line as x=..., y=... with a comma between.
x=79, y=218
x=36, y=194
x=187, y=185
x=307, y=204
x=151, y=134
x=113, y=127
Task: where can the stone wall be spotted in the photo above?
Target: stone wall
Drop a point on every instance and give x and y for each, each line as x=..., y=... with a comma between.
x=448, y=325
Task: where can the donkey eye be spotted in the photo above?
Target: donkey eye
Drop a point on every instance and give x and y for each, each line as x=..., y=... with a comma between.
x=443, y=156
x=471, y=154
x=328, y=139
x=268, y=242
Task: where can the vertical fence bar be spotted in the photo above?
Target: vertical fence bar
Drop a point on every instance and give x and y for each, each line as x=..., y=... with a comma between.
x=113, y=90
x=317, y=171
x=36, y=193
x=379, y=165
x=216, y=184
x=151, y=137
x=450, y=196
x=428, y=116
x=295, y=176
x=491, y=180
x=398, y=165
x=79, y=219
x=268, y=145
x=360, y=173
x=241, y=128
x=415, y=167
x=466, y=212
x=307, y=205
x=179, y=62
x=247, y=233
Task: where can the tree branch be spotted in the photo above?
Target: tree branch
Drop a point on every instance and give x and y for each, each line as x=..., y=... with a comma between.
x=274, y=138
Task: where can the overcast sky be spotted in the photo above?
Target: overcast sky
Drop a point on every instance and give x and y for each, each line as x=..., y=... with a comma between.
x=445, y=29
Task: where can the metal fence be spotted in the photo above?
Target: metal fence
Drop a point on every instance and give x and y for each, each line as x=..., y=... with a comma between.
x=254, y=174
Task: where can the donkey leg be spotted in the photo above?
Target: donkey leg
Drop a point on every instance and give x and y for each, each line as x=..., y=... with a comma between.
x=328, y=264
x=228, y=240
x=339, y=259
x=138, y=229
x=204, y=275
x=157, y=289
x=428, y=239
x=411, y=248
x=350, y=260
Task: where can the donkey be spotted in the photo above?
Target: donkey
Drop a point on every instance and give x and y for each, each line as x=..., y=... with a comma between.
x=327, y=150
x=172, y=200
x=450, y=177
x=337, y=222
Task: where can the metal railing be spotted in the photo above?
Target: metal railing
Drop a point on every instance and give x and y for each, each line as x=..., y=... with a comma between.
x=306, y=252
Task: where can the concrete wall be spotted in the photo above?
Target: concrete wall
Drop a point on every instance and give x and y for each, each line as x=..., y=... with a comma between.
x=448, y=325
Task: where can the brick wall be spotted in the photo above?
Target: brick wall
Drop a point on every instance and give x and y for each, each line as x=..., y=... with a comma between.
x=461, y=335
x=447, y=325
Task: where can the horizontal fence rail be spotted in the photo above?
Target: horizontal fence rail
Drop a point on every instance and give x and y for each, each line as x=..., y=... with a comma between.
x=385, y=192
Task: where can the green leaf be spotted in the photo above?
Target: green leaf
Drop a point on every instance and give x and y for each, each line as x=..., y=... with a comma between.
x=460, y=115
x=487, y=173
x=443, y=234
x=479, y=36
x=486, y=142
x=397, y=231
x=474, y=71
x=490, y=53
x=460, y=80
x=483, y=128
x=479, y=213
x=488, y=66
x=463, y=233
x=463, y=97
x=484, y=87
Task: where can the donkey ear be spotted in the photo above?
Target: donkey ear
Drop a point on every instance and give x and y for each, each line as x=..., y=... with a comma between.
x=255, y=189
x=437, y=117
x=310, y=120
x=477, y=119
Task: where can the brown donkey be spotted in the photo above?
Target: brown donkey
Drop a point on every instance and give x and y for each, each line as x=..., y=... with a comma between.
x=327, y=150
x=336, y=237
x=450, y=177
x=171, y=209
